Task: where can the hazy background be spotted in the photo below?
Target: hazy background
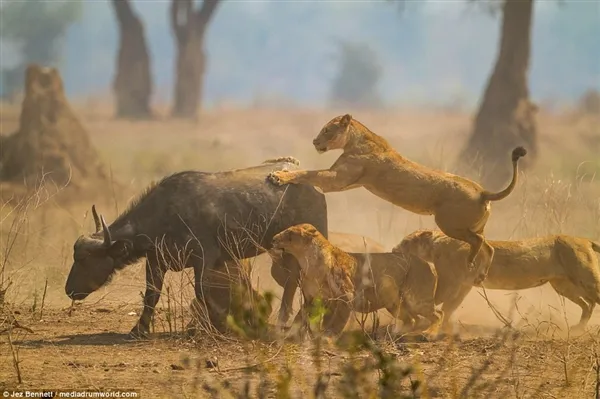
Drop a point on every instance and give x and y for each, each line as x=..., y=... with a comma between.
x=431, y=52
x=416, y=74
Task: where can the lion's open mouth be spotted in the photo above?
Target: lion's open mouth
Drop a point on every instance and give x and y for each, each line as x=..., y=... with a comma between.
x=276, y=246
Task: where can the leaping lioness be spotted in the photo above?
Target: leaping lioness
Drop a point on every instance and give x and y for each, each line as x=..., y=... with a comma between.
x=460, y=206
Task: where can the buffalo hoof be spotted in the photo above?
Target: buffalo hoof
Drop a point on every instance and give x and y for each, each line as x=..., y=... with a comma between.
x=577, y=330
x=191, y=331
x=137, y=333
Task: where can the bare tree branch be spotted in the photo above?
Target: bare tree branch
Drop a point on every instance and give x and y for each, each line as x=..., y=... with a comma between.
x=123, y=11
x=181, y=11
x=205, y=13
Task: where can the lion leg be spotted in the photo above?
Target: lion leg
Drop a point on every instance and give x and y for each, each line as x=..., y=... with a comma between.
x=450, y=306
x=435, y=317
x=486, y=263
x=573, y=293
x=402, y=313
x=476, y=242
x=336, y=317
x=425, y=307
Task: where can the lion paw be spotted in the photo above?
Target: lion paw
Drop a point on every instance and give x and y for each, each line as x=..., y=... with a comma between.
x=471, y=266
x=288, y=159
x=480, y=278
x=276, y=178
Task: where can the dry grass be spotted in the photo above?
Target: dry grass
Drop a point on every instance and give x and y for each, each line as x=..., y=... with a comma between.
x=83, y=346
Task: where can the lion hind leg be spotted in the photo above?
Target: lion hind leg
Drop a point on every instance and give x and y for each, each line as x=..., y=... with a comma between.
x=476, y=243
x=575, y=295
x=486, y=263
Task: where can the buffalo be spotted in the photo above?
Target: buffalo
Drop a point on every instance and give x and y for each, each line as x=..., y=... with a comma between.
x=200, y=220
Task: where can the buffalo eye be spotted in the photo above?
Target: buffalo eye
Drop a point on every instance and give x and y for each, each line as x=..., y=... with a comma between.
x=119, y=249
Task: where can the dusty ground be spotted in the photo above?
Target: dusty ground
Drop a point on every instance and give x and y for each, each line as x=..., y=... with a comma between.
x=89, y=349
x=86, y=348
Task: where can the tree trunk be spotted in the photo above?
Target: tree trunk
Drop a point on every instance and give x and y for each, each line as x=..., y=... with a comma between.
x=189, y=28
x=133, y=82
x=189, y=80
x=506, y=116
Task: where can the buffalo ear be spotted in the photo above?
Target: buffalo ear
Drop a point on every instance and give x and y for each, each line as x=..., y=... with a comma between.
x=120, y=249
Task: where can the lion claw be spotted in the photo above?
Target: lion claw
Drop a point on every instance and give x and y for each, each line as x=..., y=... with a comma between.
x=479, y=279
x=471, y=266
x=275, y=179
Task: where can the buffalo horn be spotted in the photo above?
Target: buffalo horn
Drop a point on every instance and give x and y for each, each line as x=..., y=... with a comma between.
x=96, y=219
x=107, y=238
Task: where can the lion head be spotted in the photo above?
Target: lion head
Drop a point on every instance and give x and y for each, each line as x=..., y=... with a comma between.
x=334, y=134
x=295, y=238
x=418, y=243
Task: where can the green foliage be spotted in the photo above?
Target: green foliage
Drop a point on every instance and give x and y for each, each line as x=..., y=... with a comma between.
x=358, y=76
x=249, y=316
x=316, y=314
x=37, y=28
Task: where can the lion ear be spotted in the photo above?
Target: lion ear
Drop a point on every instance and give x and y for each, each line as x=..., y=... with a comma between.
x=346, y=119
x=427, y=234
x=310, y=229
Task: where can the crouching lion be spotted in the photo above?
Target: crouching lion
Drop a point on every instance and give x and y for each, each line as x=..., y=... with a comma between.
x=460, y=206
x=404, y=285
x=567, y=263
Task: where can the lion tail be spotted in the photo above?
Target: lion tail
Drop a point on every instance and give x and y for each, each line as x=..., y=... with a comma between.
x=516, y=154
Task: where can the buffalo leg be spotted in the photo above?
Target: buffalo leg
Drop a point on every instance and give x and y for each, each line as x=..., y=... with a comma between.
x=154, y=282
x=205, y=268
x=286, y=272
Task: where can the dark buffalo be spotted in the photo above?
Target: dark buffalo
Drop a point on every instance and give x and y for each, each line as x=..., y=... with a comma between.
x=193, y=219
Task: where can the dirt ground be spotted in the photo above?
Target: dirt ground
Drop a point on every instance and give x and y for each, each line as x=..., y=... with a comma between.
x=89, y=349
x=85, y=347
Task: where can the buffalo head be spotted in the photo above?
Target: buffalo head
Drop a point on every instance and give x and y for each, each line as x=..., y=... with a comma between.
x=95, y=260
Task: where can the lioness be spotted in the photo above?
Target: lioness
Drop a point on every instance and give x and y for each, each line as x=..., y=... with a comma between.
x=361, y=282
x=460, y=206
x=567, y=263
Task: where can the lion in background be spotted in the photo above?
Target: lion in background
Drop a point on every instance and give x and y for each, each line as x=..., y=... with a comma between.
x=461, y=207
x=568, y=263
x=404, y=285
